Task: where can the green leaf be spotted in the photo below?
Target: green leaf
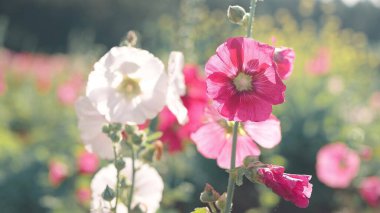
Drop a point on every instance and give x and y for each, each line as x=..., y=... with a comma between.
x=154, y=136
x=201, y=210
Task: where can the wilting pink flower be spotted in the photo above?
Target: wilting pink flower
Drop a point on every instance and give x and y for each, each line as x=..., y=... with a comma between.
x=87, y=163
x=195, y=101
x=83, y=195
x=320, y=64
x=337, y=165
x=58, y=172
x=68, y=91
x=243, y=81
x=214, y=139
x=292, y=187
x=370, y=190
x=284, y=58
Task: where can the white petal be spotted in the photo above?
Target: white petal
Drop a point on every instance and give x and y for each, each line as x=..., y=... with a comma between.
x=90, y=123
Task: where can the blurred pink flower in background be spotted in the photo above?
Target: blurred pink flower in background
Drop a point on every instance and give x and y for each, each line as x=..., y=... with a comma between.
x=3, y=85
x=242, y=80
x=214, y=139
x=195, y=101
x=284, y=58
x=69, y=91
x=337, y=165
x=366, y=153
x=58, y=172
x=292, y=187
x=87, y=162
x=370, y=190
x=320, y=64
x=375, y=101
x=83, y=195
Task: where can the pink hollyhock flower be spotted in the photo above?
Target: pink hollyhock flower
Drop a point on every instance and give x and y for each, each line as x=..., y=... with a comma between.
x=242, y=80
x=284, y=58
x=83, y=195
x=320, y=64
x=292, y=187
x=214, y=139
x=58, y=172
x=337, y=165
x=370, y=191
x=87, y=163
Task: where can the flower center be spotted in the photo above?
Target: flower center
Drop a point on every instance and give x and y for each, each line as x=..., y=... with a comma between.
x=243, y=82
x=129, y=87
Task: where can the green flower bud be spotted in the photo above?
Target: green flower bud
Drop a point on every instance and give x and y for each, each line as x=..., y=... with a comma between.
x=108, y=194
x=120, y=164
x=209, y=194
x=137, y=139
x=236, y=14
x=222, y=202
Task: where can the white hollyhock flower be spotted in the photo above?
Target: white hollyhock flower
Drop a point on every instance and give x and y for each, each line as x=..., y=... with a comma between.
x=177, y=87
x=90, y=123
x=147, y=192
x=128, y=85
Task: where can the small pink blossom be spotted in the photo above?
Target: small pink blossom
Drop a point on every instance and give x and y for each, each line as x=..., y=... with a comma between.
x=83, y=195
x=58, y=172
x=242, y=80
x=284, y=58
x=320, y=64
x=337, y=165
x=292, y=187
x=214, y=139
x=87, y=163
x=370, y=191
x=68, y=92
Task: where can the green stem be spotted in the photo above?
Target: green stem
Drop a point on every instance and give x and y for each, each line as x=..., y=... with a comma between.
x=133, y=180
x=231, y=181
x=251, y=18
x=117, y=179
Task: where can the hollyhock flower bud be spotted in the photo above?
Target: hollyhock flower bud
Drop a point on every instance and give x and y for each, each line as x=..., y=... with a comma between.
x=337, y=165
x=284, y=58
x=209, y=194
x=58, y=172
x=242, y=80
x=292, y=187
x=236, y=14
x=370, y=191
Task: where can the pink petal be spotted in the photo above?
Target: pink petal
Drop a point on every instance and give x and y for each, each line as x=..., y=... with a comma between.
x=269, y=86
x=252, y=108
x=210, y=139
x=266, y=133
x=244, y=147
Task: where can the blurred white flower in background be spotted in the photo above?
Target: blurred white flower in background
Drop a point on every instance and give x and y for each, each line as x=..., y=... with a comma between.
x=147, y=191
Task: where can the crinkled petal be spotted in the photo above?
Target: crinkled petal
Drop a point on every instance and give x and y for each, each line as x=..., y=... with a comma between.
x=266, y=133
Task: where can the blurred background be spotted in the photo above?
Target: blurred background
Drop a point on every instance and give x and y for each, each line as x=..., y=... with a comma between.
x=47, y=48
